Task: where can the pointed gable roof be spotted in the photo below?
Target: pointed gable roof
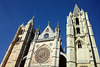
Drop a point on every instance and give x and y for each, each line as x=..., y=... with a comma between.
x=48, y=30
x=76, y=10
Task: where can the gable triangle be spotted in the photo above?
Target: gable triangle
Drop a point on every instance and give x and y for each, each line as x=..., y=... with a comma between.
x=47, y=31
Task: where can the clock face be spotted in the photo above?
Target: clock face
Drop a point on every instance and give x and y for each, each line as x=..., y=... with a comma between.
x=46, y=35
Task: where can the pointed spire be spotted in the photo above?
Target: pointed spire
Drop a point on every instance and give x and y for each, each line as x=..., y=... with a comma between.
x=86, y=15
x=37, y=33
x=76, y=10
x=31, y=21
x=22, y=25
x=48, y=22
x=70, y=20
x=70, y=14
x=33, y=17
x=57, y=24
x=82, y=10
x=38, y=30
x=57, y=27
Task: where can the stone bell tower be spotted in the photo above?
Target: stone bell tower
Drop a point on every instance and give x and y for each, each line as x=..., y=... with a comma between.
x=45, y=49
x=18, y=49
x=81, y=47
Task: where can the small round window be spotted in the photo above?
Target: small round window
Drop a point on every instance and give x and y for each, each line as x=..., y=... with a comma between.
x=46, y=35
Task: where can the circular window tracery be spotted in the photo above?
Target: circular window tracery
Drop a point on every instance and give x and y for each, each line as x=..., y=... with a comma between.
x=42, y=55
x=46, y=35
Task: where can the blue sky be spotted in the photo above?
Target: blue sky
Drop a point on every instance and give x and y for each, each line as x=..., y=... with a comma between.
x=15, y=12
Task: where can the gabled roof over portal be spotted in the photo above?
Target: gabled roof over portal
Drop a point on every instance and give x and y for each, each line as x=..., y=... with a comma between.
x=47, y=31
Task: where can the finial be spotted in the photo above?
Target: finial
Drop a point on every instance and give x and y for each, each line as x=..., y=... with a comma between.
x=82, y=10
x=70, y=13
x=75, y=4
x=31, y=21
x=33, y=17
x=22, y=24
x=57, y=25
x=57, y=29
x=38, y=30
x=34, y=14
x=48, y=22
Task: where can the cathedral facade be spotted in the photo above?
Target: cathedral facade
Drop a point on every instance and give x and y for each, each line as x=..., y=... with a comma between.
x=30, y=48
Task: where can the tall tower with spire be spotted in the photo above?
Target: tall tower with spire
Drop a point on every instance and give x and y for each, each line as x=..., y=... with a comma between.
x=81, y=47
x=18, y=49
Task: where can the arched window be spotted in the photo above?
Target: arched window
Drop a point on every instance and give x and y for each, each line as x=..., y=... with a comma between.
x=79, y=45
x=78, y=30
x=21, y=32
x=47, y=30
x=77, y=21
x=18, y=39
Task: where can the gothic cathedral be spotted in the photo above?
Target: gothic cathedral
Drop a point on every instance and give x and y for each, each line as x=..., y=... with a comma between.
x=30, y=48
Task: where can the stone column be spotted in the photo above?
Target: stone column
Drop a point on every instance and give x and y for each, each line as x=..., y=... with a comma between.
x=70, y=44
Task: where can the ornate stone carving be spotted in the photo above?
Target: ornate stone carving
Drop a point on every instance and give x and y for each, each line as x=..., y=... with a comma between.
x=37, y=45
x=42, y=55
x=51, y=44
